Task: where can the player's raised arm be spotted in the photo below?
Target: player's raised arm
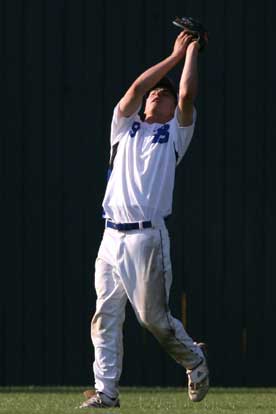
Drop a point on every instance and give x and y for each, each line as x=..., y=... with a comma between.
x=188, y=85
x=133, y=97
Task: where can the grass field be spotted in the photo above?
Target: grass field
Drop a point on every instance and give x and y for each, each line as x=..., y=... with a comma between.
x=138, y=401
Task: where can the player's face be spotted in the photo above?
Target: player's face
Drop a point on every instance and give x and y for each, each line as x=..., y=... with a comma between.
x=160, y=100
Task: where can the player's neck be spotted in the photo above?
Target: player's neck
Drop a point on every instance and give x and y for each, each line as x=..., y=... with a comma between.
x=151, y=118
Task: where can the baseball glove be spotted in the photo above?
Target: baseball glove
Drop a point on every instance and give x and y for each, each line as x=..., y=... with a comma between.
x=195, y=28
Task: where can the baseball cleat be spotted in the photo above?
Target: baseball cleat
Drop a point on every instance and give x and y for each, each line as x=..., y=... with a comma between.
x=99, y=400
x=198, y=378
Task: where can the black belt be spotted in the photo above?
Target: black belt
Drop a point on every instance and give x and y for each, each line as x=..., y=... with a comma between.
x=129, y=226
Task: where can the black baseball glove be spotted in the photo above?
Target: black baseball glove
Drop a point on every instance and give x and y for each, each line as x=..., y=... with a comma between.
x=195, y=28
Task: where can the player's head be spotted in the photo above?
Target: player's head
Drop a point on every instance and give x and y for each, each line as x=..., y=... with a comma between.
x=161, y=99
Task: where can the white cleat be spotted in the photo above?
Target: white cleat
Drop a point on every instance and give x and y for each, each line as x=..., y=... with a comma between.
x=99, y=400
x=198, y=379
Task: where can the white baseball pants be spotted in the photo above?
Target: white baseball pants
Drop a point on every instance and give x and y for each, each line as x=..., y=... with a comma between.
x=134, y=265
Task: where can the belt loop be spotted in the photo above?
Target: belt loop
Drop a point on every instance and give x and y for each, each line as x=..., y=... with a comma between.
x=140, y=225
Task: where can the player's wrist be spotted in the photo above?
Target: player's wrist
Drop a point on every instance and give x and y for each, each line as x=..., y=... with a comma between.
x=177, y=55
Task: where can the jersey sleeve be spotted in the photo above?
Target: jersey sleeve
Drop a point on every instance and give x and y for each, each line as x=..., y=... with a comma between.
x=120, y=124
x=182, y=135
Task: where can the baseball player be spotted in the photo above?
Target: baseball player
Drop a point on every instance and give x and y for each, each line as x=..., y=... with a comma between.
x=133, y=261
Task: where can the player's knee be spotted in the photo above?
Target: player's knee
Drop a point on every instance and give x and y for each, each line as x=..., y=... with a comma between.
x=99, y=324
x=95, y=325
x=157, y=326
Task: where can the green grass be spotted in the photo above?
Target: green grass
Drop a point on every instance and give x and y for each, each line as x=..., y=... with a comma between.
x=138, y=401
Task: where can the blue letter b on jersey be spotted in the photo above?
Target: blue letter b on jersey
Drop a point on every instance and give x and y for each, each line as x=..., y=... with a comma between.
x=162, y=134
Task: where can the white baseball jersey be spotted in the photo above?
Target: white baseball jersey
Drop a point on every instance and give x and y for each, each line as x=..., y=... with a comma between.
x=141, y=183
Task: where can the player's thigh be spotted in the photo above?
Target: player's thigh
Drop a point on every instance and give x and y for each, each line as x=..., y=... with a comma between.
x=107, y=283
x=111, y=301
x=150, y=281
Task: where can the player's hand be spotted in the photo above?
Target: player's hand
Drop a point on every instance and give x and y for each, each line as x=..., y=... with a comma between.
x=181, y=43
